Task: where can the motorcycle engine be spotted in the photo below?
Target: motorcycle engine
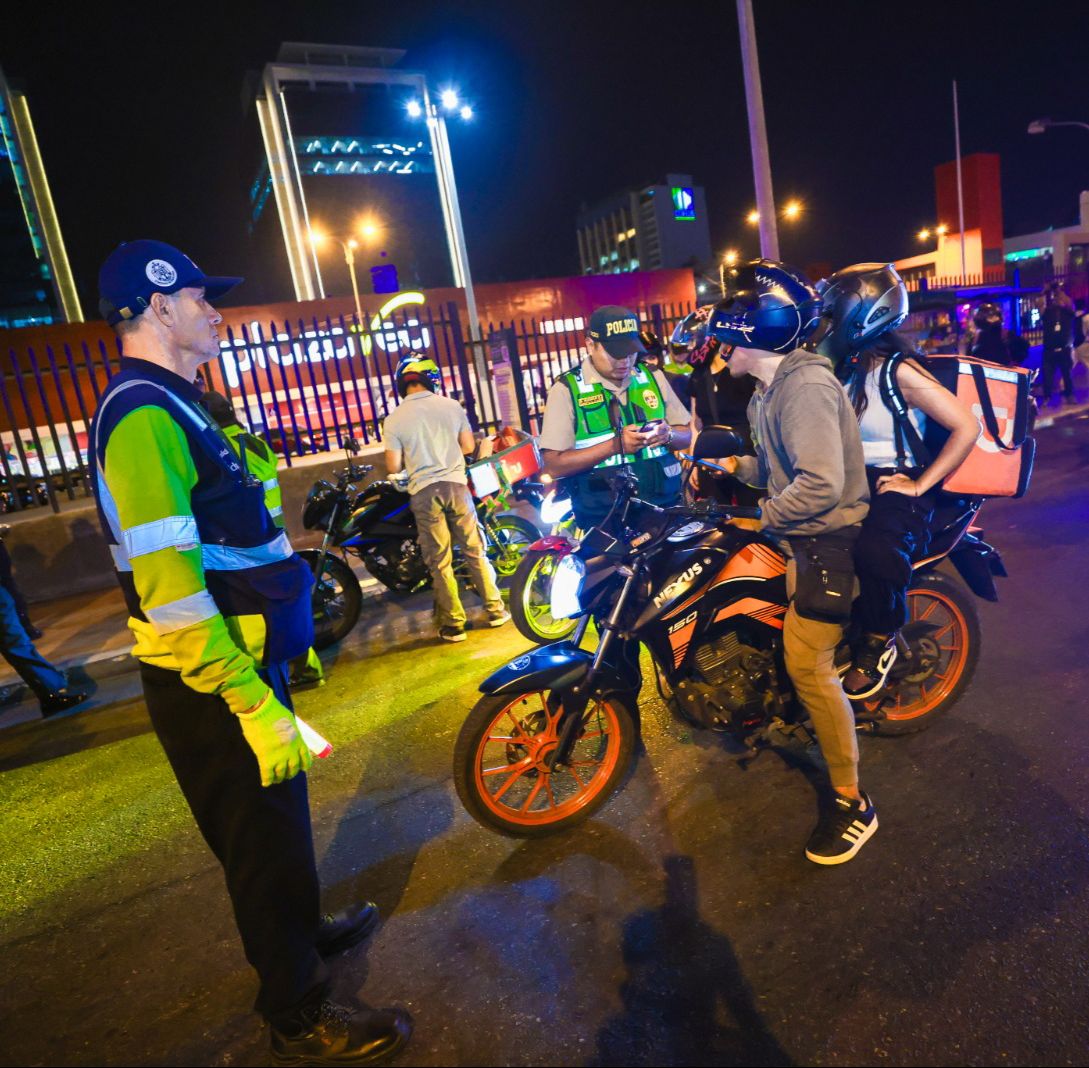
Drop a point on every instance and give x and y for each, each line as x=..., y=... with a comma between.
x=728, y=687
x=398, y=565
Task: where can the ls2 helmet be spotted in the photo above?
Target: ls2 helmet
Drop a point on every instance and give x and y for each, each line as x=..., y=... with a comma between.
x=860, y=304
x=767, y=306
x=414, y=370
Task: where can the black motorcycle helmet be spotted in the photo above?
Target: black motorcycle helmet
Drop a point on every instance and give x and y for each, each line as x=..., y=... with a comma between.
x=654, y=349
x=859, y=304
x=987, y=316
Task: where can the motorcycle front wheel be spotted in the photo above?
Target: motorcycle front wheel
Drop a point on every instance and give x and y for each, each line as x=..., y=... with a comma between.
x=503, y=762
x=531, y=599
x=336, y=598
x=509, y=538
x=944, y=635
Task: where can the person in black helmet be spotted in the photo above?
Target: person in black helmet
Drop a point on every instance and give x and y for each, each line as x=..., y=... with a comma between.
x=809, y=458
x=862, y=305
x=1058, y=350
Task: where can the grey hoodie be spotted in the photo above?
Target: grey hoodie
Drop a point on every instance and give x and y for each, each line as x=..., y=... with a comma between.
x=808, y=450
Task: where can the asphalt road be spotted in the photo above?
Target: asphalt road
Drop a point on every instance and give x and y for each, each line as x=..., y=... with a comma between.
x=682, y=926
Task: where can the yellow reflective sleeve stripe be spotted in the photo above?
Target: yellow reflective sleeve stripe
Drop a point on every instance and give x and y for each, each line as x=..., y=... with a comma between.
x=151, y=475
x=173, y=532
x=184, y=612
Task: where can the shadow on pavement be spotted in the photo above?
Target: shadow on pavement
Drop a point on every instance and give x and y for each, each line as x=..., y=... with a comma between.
x=686, y=1001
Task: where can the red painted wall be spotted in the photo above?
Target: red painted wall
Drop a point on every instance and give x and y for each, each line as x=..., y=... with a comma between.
x=982, y=179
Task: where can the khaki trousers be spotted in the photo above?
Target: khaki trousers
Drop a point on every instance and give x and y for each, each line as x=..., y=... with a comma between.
x=810, y=648
x=445, y=515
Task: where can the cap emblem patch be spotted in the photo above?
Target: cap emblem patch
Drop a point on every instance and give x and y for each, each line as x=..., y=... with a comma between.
x=160, y=273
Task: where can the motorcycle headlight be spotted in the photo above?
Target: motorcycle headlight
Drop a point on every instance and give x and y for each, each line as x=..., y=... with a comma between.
x=554, y=511
x=566, y=587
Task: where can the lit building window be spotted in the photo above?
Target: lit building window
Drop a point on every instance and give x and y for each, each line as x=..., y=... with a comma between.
x=622, y=237
x=631, y=232
x=635, y=265
x=614, y=256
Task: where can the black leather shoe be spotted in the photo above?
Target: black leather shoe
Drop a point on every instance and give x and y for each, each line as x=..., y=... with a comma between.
x=346, y=928
x=336, y=1034
x=52, y=703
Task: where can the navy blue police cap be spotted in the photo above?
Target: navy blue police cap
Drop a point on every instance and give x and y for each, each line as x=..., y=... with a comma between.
x=617, y=329
x=136, y=269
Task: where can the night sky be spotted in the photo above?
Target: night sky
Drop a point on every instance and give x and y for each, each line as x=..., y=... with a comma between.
x=140, y=119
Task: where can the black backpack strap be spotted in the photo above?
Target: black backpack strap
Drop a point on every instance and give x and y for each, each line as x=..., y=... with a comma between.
x=903, y=428
x=990, y=421
x=712, y=395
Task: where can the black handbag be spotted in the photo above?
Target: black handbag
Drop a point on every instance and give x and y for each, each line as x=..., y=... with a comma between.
x=825, y=575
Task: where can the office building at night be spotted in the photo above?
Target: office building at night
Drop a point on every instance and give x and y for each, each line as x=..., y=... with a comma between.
x=646, y=229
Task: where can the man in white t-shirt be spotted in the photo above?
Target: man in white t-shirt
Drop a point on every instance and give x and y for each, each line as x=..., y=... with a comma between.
x=428, y=436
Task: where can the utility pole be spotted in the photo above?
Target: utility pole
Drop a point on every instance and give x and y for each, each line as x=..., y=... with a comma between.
x=960, y=187
x=758, y=134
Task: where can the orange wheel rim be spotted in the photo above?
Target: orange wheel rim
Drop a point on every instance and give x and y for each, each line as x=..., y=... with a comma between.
x=512, y=761
x=910, y=700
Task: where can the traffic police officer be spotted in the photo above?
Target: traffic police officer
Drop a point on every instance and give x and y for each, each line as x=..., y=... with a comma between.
x=218, y=603
x=578, y=437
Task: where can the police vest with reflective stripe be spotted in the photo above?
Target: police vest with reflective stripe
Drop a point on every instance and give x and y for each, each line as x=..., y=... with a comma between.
x=261, y=461
x=250, y=567
x=657, y=469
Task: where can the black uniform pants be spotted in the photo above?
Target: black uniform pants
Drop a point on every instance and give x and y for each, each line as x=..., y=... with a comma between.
x=259, y=834
x=896, y=530
x=1054, y=360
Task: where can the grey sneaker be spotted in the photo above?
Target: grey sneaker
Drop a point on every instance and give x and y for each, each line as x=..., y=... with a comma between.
x=452, y=634
x=497, y=619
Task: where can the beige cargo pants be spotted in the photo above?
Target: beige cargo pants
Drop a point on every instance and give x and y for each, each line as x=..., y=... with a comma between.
x=810, y=649
x=445, y=515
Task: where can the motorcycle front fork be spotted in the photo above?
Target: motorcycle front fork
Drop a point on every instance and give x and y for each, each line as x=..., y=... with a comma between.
x=574, y=703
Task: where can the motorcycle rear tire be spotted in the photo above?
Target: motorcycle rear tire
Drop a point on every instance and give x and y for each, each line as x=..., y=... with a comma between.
x=337, y=598
x=528, y=608
x=470, y=777
x=934, y=596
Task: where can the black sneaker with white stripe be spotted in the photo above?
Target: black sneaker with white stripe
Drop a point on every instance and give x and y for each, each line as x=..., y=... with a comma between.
x=843, y=828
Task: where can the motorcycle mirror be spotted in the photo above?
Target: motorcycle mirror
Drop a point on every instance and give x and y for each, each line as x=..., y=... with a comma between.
x=715, y=441
x=351, y=446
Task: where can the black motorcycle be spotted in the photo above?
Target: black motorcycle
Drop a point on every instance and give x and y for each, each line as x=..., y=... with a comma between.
x=377, y=526
x=554, y=734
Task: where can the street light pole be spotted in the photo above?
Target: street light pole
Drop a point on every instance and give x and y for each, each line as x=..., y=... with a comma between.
x=349, y=259
x=758, y=134
x=451, y=209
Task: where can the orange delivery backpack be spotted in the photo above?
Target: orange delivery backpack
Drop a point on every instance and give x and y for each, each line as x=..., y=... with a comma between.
x=1000, y=465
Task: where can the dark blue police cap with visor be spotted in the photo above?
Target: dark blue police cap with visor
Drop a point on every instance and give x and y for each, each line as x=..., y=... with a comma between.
x=136, y=269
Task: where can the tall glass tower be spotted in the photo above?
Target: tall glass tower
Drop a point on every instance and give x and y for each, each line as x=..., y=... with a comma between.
x=36, y=286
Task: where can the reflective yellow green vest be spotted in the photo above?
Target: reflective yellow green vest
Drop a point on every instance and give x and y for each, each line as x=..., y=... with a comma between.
x=262, y=464
x=657, y=469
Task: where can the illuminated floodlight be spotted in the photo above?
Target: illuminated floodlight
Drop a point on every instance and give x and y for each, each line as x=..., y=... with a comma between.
x=924, y=234
x=414, y=109
x=731, y=257
x=792, y=209
x=368, y=228
x=753, y=217
x=466, y=113
x=701, y=288
x=352, y=243
x=317, y=235
x=449, y=99
x=941, y=230
x=1038, y=126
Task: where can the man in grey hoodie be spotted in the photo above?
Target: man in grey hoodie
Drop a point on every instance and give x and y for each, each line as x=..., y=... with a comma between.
x=809, y=458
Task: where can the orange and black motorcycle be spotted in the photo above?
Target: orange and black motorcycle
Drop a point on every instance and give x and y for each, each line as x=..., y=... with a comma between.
x=555, y=732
